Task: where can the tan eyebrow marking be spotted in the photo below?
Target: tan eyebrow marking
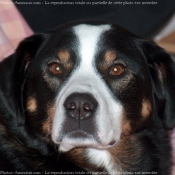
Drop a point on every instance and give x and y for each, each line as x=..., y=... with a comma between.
x=108, y=59
x=65, y=59
x=110, y=56
x=64, y=56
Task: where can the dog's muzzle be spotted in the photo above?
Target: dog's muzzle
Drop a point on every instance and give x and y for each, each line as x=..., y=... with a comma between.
x=80, y=110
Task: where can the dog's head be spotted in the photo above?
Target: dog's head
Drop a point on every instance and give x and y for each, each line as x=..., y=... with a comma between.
x=88, y=85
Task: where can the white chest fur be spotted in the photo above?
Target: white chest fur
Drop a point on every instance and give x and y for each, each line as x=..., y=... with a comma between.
x=102, y=158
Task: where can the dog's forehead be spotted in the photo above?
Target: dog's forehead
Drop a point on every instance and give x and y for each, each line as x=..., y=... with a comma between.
x=88, y=37
x=89, y=34
x=88, y=43
x=105, y=42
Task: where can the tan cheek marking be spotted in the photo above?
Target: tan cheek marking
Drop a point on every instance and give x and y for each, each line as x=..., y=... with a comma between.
x=126, y=127
x=47, y=125
x=31, y=104
x=146, y=108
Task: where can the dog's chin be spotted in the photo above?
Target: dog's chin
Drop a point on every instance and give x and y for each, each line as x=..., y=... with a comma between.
x=82, y=140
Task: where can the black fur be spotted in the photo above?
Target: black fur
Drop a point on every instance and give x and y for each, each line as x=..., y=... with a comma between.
x=23, y=146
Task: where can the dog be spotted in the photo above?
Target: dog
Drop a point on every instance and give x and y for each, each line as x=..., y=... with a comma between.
x=87, y=97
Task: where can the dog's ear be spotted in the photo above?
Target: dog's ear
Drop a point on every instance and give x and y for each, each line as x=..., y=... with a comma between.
x=162, y=70
x=12, y=76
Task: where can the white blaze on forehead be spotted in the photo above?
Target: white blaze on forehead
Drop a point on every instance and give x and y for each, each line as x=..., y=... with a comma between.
x=86, y=79
x=88, y=37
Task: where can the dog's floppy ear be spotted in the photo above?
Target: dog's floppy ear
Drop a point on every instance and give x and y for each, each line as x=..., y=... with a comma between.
x=12, y=76
x=162, y=70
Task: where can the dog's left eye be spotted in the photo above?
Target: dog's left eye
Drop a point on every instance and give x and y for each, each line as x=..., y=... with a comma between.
x=55, y=68
x=117, y=70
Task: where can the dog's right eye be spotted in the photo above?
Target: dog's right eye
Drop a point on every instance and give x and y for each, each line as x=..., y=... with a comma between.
x=55, y=68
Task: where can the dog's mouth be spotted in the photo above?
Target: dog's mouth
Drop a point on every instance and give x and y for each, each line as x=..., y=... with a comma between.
x=79, y=139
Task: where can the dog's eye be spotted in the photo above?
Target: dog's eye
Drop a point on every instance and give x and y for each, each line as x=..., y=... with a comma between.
x=117, y=70
x=55, y=68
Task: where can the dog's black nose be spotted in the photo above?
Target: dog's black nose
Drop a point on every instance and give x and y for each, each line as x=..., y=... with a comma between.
x=80, y=105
